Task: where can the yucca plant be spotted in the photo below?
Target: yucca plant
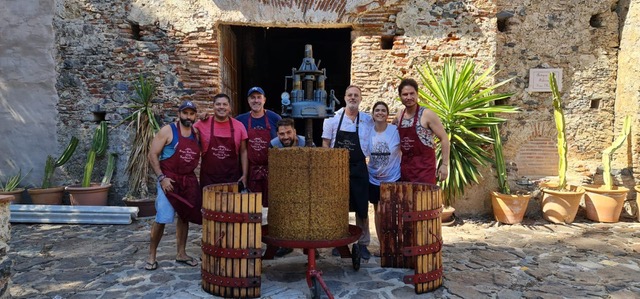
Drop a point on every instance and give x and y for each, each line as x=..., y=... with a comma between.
x=144, y=121
x=462, y=97
x=52, y=163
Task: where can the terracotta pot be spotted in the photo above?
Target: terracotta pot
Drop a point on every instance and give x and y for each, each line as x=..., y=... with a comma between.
x=509, y=209
x=48, y=196
x=146, y=207
x=604, y=205
x=561, y=206
x=447, y=216
x=95, y=195
x=17, y=195
x=637, y=188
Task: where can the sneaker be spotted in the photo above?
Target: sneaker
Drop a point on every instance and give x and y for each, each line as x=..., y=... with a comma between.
x=364, y=252
x=282, y=251
x=335, y=251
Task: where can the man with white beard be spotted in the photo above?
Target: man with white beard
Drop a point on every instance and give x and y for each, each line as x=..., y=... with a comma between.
x=350, y=129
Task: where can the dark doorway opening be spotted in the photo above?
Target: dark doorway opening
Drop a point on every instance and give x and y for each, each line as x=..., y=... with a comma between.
x=266, y=55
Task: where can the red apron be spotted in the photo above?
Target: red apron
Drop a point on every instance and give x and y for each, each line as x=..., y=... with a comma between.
x=258, y=154
x=418, y=160
x=220, y=163
x=186, y=197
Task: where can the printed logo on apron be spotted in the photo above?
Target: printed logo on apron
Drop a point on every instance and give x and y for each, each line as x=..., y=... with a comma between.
x=187, y=155
x=221, y=152
x=406, y=143
x=258, y=144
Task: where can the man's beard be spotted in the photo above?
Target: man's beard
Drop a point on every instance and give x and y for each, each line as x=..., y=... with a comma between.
x=186, y=122
x=287, y=143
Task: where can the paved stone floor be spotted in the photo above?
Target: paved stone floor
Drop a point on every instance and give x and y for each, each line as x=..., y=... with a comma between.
x=482, y=259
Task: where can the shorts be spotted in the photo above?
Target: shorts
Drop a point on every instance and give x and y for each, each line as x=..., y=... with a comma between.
x=164, y=210
x=374, y=193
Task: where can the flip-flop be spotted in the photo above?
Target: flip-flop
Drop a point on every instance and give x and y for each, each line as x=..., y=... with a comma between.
x=151, y=266
x=189, y=262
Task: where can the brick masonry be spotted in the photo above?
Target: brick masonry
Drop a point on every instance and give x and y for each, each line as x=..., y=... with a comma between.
x=101, y=46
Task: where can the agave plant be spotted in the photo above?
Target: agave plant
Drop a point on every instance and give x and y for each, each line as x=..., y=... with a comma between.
x=11, y=183
x=463, y=98
x=145, y=124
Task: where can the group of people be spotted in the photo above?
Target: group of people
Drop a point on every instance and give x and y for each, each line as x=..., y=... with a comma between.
x=401, y=151
x=232, y=150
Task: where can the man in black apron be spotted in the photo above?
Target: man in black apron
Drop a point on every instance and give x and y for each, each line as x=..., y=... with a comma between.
x=350, y=129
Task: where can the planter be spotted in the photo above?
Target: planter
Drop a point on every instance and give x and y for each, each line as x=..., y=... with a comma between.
x=447, y=217
x=604, y=205
x=561, y=206
x=95, y=195
x=146, y=207
x=17, y=194
x=509, y=209
x=48, y=196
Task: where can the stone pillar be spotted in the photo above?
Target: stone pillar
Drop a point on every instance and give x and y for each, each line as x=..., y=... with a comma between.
x=5, y=235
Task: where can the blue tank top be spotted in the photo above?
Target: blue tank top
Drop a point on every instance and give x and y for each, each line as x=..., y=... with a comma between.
x=169, y=149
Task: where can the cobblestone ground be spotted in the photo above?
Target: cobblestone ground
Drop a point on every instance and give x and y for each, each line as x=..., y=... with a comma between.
x=481, y=260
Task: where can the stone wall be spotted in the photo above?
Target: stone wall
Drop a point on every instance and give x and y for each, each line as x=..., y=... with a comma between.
x=5, y=236
x=102, y=45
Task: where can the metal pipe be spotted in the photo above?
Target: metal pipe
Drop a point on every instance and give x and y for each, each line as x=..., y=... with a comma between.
x=69, y=218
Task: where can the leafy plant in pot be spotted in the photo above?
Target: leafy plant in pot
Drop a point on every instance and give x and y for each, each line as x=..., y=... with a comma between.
x=507, y=208
x=9, y=186
x=604, y=203
x=463, y=98
x=144, y=122
x=46, y=194
x=88, y=193
x=560, y=201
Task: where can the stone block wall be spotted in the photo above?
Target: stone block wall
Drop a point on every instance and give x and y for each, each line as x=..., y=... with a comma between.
x=102, y=45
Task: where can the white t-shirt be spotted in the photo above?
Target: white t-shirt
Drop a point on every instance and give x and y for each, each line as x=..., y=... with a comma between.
x=385, y=156
x=330, y=128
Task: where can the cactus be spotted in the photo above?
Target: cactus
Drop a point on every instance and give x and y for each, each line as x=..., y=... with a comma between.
x=98, y=148
x=51, y=163
x=111, y=165
x=501, y=167
x=607, y=154
x=558, y=116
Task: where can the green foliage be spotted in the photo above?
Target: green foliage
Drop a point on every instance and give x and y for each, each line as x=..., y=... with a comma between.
x=144, y=121
x=111, y=166
x=607, y=154
x=501, y=167
x=52, y=163
x=11, y=183
x=558, y=116
x=462, y=98
x=98, y=148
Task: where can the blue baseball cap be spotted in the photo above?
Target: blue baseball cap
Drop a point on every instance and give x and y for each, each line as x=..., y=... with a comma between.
x=187, y=105
x=255, y=89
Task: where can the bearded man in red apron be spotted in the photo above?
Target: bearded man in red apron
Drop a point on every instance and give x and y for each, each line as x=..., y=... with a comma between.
x=350, y=129
x=261, y=127
x=174, y=155
x=417, y=127
x=224, y=146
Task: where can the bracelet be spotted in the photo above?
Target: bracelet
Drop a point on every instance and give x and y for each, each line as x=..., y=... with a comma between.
x=161, y=177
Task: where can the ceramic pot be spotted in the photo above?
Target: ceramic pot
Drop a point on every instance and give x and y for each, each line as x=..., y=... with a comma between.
x=509, y=209
x=604, y=205
x=146, y=207
x=94, y=195
x=17, y=195
x=48, y=196
x=561, y=206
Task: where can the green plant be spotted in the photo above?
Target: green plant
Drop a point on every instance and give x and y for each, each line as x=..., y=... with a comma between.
x=98, y=148
x=11, y=183
x=607, y=154
x=52, y=163
x=501, y=167
x=144, y=121
x=558, y=116
x=462, y=98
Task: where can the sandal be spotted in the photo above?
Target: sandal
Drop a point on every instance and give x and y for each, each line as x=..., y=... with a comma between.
x=189, y=262
x=151, y=266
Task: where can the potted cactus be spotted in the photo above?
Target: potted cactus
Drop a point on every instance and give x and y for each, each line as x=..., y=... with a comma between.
x=560, y=201
x=88, y=193
x=604, y=202
x=47, y=194
x=9, y=186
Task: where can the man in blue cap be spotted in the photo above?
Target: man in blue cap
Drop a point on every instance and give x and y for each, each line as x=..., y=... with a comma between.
x=261, y=125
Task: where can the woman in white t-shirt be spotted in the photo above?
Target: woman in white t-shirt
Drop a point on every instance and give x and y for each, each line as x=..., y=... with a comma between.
x=385, y=155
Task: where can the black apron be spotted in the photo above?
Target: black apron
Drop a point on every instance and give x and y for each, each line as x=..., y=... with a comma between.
x=358, y=173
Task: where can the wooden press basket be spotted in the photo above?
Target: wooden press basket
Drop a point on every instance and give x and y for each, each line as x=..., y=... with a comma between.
x=231, y=241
